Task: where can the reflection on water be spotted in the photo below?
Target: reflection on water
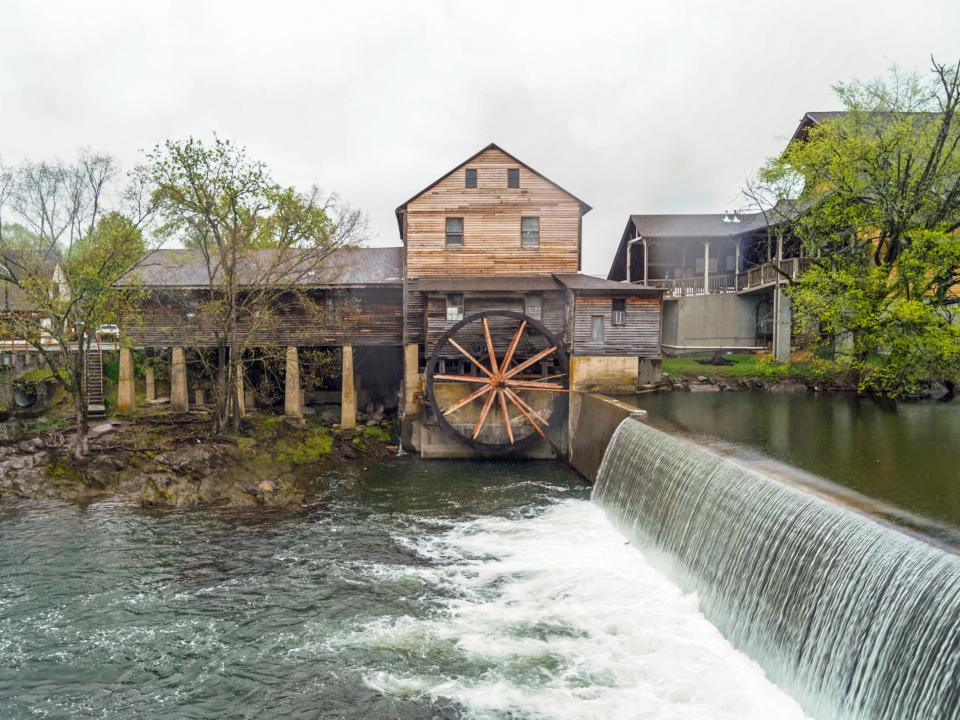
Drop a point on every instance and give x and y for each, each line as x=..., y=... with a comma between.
x=413, y=590
x=906, y=454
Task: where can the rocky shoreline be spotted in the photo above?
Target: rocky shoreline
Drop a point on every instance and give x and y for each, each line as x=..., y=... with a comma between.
x=170, y=461
x=932, y=390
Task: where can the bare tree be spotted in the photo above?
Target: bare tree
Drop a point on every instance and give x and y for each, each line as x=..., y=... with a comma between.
x=63, y=268
x=260, y=245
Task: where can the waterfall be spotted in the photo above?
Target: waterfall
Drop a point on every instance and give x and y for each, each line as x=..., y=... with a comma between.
x=853, y=618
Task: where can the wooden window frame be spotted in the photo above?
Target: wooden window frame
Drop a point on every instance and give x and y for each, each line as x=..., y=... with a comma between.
x=523, y=233
x=453, y=234
x=513, y=173
x=470, y=173
x=527, y=305
x=452, y=304
x=593, y=327
x=618, y=317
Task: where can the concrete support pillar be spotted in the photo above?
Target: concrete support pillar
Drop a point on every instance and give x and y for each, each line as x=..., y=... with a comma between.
x=782, y=321
x=151, y=385
x=411, y=378
x=736, y=267
x=179, y=399
x=706, y=268
x=126, y=396
x=292, y=392
x=348, y=392
x=241, y=396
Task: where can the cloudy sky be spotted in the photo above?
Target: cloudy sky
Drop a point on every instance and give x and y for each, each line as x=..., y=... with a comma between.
x=634, y=106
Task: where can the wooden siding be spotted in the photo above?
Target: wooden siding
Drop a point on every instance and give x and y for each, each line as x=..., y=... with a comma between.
x=437, y=323
x=372, y=316
x=491, y=215
x=413, y=313
x=639, y=336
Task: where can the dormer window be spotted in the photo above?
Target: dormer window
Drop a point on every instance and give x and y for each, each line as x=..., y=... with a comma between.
x=454, y=232
x=471, y=178
x=513, y=178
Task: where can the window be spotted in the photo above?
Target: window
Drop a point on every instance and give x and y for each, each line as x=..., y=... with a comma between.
x=513, y=178
x=533, y=306
x=454, y=307
x=471, y=180
x=596, y=328
x=530, y=231
x=620, y=312
x=455, y=232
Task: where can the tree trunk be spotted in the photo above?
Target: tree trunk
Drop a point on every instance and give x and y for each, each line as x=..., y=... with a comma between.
x=81, y=443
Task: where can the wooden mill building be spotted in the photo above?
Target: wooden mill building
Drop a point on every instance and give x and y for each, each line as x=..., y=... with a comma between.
x=492, y=234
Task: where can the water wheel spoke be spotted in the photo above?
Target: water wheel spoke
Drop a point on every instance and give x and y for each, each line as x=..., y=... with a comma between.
x=527, y=363
x=471, y=358
x=463, y=378
x=520, y=402
x=533, y=385
x=468, y=399
x=512, y=348
x=487, y=404
x=501, y=396
x=491, y=352
x=532, y=422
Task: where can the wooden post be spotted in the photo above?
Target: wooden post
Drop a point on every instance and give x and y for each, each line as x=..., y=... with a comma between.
x=292, y=393
x=126, y=395
x=151, y=385
x=348, y=393
x=179, y=400
x=646, y=265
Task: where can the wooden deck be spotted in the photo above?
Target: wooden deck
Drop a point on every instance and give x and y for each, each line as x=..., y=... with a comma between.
x=752, y=279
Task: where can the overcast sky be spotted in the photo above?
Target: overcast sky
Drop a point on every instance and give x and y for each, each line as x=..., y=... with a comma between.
x=634, y=106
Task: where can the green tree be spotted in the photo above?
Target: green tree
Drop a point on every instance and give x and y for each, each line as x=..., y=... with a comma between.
x=878, y=213
x=259, y=243
x=63, y=262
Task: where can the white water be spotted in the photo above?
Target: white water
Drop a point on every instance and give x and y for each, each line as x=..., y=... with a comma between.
x=557, y=616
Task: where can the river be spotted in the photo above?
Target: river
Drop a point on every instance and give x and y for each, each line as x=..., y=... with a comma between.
x=411, y=590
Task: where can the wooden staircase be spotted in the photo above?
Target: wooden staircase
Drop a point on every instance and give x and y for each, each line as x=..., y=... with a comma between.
x=94, y=362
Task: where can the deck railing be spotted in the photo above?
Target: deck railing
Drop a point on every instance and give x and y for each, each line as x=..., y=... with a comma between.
x=752, y=278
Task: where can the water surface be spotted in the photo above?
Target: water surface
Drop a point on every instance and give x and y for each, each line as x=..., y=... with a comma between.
x=411, y=590
x=907, y=454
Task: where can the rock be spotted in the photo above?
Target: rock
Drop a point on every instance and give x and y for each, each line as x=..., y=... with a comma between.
x=788, y=386
x=101, y=429
x=266, y=486
x=679, y=386
x=704, y=388
x=702, y=378
x=934, y=390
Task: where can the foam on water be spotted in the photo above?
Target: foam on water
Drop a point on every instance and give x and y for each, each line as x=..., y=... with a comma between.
x=557, y=616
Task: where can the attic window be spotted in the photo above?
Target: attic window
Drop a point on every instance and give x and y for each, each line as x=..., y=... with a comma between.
x=471, y=178
x=454, y=232
x=619, y=312
x=513, y=178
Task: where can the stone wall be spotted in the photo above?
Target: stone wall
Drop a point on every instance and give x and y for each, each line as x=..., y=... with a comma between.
x=712, y=321
x=593, y=419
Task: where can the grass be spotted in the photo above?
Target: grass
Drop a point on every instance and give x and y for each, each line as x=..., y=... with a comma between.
x=744, y=367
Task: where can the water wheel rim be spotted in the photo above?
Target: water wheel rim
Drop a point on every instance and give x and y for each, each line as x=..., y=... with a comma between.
x=558, y=411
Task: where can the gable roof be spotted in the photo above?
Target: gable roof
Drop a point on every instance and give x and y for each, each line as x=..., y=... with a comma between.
x=584, y=207
x=346, y=267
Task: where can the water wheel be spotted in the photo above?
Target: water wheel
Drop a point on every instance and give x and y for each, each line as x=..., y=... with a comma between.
x=497, y=381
